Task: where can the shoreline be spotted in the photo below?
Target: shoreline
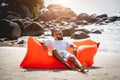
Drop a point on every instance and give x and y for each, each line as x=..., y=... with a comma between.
x=106, y=67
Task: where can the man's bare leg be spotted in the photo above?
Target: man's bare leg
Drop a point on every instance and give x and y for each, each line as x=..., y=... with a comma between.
x=82, y=67
x=59, y=57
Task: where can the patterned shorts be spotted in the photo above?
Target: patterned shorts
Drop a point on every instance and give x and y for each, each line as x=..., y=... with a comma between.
x=65, y=54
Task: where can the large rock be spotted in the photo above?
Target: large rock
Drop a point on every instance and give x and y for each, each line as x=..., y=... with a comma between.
x=9, y=15
x=46, y=15
x=97, y=31
x=54, y=11
x=22, y=10
x=17, y=7
x=83, y=30
x=34, y=29
x=102, y=16
x=9, y=29
x=86, y=17
x=79, y=35
x=20, y=23
x=68, y=31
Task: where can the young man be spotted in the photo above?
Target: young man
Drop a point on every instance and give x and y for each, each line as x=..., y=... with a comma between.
x=59, y=50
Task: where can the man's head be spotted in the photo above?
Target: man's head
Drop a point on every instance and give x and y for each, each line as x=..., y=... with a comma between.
x=57, y=34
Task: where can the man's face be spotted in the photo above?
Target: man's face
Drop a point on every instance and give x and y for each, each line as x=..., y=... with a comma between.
x=58, y=35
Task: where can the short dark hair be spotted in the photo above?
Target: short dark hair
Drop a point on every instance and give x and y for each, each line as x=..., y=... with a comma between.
x=55, y=29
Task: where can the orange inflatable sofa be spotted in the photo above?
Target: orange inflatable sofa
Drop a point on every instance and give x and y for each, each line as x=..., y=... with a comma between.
x=37, y=57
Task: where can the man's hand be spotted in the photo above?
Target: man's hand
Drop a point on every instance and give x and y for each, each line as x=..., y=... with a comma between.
x=74, y=48
x=45, y=46
x=75, y=51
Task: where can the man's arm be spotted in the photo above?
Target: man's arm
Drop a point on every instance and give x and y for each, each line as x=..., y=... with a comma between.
x=74, y=48
x=43, y=43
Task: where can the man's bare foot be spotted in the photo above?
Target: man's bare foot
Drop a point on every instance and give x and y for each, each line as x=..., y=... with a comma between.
x=83, y=68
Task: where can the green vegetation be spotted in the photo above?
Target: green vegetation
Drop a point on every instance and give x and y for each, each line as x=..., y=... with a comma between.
x=34, y=6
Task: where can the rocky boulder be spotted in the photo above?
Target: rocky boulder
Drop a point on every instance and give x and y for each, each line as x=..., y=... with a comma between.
x=54, y=11
x=33, y=29
x=79, y=35
x=86, y=17
x=96, y=31
x=68, y=31
x=9, y=29
x=83, y=30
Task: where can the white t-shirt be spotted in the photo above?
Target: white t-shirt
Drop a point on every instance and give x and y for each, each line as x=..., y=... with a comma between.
x=60, y=45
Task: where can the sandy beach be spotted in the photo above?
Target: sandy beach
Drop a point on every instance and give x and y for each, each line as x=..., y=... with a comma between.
x=106, y=67
x=106, y=62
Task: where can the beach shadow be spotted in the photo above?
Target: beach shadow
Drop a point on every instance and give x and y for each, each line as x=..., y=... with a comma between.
x=30, y=70
x=53, y=70
x=95, y=67
x=59, y=70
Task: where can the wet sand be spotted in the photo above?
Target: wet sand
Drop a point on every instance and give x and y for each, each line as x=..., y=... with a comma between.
x=106, y=67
